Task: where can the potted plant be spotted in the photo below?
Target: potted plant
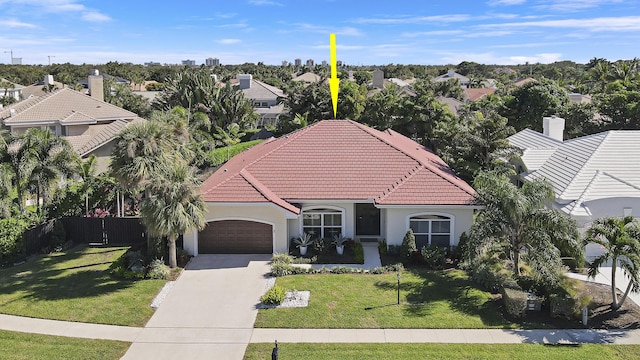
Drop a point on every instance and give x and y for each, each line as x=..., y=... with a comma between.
x=303, y=242
x=339, y=241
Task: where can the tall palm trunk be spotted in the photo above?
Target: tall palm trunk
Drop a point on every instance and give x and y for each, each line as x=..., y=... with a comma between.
x=173, y=260
x=614, y=266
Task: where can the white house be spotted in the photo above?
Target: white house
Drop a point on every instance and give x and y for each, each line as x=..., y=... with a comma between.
x=335, y=177
x=593, y=176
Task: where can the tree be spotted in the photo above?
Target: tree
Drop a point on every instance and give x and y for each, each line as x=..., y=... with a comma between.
x=87, y=171
x=173, y=205
x=52, y=159
x=529, y=103
x=231, y=136
x=620, y=239
x=516, y=220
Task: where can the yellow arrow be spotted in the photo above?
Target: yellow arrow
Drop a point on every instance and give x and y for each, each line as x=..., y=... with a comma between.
x=334, y=82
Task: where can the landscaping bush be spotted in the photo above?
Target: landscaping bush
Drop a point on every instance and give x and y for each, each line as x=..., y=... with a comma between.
x=491, y=278
x=358, y=253
x=341, y=270
x=433, y=256
x=281, y=259
x=393, y=250
x=515, y=301
x=382, y=246
x=158, y=270
x=408, y=247
x=129, y=266
x=11, y=240
x=566, y=301
x=322, y=246
x=274, y=296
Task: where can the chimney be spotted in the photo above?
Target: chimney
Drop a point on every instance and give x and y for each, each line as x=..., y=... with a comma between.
x=244, y=80
x=451, y=73
x=378, y=78
x=48, y=79
x=96, y=85
x=553, y=127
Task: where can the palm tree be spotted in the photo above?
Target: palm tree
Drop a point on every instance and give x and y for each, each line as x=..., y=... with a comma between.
x=87, y=170
x=517, y=219
x=53, y=159
x=173, y=205
x=18, y=163
x=228, y=137
x=620, y=238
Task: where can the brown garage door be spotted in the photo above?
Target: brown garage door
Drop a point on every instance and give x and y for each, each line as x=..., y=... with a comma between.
x=235, y=237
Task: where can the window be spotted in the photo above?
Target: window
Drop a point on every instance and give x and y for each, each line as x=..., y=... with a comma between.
x=431, y=229
x=322, y=223
x=265, y=104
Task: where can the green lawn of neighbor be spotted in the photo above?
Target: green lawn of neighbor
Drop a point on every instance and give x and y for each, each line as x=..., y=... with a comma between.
x=20, y=346
x=77, y=286
x=429, y=299
x=441, y=351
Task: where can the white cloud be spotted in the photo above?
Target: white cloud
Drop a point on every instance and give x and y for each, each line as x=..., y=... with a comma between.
x=528, y=45
x=414, y=20
x=505, y=2
x=228, y=41
x=609, y=24
x=492, y=58
x=575, y=5
x=94, y=16
x=265, y=3
x=346, y=31
x=13, y=23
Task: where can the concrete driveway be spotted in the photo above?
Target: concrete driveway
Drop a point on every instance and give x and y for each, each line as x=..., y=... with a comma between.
x=209, y=313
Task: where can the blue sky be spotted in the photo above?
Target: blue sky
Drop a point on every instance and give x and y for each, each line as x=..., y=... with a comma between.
x=367, y=32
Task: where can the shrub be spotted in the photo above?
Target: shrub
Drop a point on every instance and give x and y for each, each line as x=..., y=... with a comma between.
x=341, y=270
x=321, y=246
x=358, y=253
x=158, y=270
x=490, y=278
x=281, y=269
x=515, y=301
x=382, y=246
x=408, y=247
x=566, y=301
x=393, y=250
x=11, y=240
x=395, y=267
x=274, y=296
x=281, y=259
x=433, y=256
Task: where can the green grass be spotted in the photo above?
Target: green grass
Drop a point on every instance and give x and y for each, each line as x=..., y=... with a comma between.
x=18, y=346
x=441, y=351
x=219, y=156
x=76, y=286
x=429, y=299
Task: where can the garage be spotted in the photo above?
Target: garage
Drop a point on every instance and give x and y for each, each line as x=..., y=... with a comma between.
x=236, y=237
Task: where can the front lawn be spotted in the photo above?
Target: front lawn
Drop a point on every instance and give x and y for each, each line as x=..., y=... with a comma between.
x=430, y=299
x=20, y=346
x=441, y=351
x=77, y=286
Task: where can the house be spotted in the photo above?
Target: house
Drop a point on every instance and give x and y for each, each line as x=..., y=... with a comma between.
x=42, y=87
x=524, y=81
x=576, y=98
x=88, y=123
x=449, y=75
x=593, y=176
x=475, y=94
x=10, y=89
x=308, y=78
x=264, y=97
x=332, y=178
x=452, y=104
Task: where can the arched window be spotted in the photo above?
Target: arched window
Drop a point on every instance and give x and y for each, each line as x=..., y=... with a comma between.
x=323, y=222
x=431, y=229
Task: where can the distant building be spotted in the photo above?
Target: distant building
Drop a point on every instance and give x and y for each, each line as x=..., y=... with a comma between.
x=298, y=62
x=324, y=62
x=189, y=62
x=339, y=63
x=212, y=62
x=449, y=75
x=264, y=98
x=309, y=63
x=285, y=63
x=152, y=63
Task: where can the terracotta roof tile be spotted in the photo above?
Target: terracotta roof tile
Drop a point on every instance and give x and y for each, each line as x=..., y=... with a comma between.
x=339, y=160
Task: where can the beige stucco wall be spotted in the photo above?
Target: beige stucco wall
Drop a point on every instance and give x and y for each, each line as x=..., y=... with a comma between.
x=397, y=222
x=269, y=214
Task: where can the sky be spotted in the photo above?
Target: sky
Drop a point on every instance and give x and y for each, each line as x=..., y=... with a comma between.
x=370, y=32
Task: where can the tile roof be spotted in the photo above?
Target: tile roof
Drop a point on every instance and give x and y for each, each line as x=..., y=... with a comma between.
x=97, y=135
x=524, y=81
x=474, y=94
x=60, y=106
x=338, y=160
x=308, y=77
x=262, y=91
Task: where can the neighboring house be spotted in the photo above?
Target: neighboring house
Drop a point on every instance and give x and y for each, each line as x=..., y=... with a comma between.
x=13, y=91
x=593, y=176
x=576, y=98
x=453, y=104
x=464, y=81
x=42, y=87
x=332, y=178
x=378, y=82
x=524, y=81
x=89, y=124
x=308, y=78
x=264, y=97
x=475, y=94
x=115, y=79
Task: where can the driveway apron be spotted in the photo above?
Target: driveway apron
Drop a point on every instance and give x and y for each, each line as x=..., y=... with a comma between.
x=209, y=313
